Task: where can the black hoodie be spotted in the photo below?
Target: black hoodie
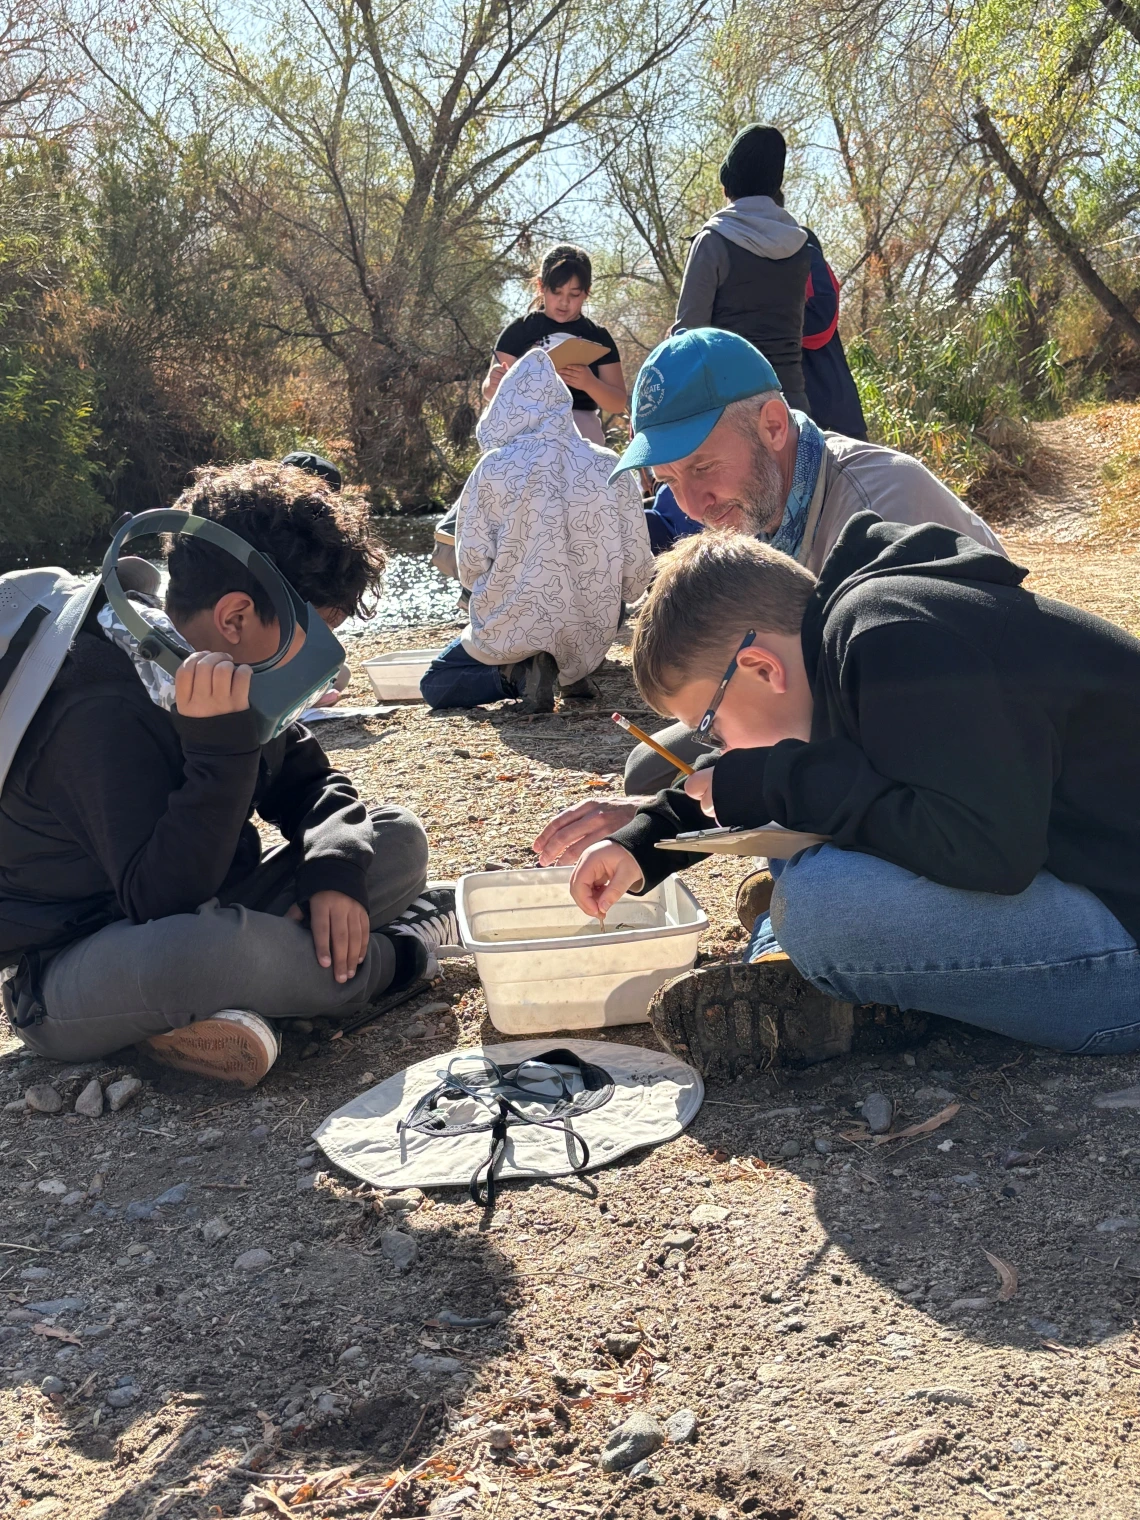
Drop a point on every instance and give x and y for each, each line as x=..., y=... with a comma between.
x=964, y=728
x=115, y=808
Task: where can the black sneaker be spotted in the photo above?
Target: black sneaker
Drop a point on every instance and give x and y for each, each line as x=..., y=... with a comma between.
x=534, y=680
x=731, y=1020
x=430, y=919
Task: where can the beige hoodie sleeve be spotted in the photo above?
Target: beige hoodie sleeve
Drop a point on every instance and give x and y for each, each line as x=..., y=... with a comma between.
x=866, y=477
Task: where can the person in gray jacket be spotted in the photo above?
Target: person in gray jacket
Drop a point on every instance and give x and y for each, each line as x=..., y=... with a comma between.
x=748, y=266
x=712, y=422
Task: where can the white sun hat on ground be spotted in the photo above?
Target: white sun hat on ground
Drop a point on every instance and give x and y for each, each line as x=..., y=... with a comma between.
x=527, y=1109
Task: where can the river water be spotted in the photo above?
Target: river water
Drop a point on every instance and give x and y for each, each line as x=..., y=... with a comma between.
x=414, y=592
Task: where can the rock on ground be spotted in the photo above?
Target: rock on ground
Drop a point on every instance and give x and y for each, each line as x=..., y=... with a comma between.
x=90, y=1101
x=253, y=1261
x=707, y=1213
x=915, y=1449
x=43, y=1099
x=640, y=1436
x=878, y=1110
x=681, y=1427
x=120, y=1093
x=399, y=1249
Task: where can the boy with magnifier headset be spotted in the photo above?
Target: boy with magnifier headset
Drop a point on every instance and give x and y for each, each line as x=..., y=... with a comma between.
x=127, y=850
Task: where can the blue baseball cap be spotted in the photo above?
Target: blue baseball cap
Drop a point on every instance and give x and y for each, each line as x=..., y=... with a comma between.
x=682, y=390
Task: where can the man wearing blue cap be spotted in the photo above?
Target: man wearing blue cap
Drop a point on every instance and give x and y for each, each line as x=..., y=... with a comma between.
x=711, y=421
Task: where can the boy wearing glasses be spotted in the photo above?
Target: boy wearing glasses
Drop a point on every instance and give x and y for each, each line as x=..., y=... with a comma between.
x=970, y=749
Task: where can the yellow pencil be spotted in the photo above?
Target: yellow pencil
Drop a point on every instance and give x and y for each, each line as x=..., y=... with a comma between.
x=666, y=754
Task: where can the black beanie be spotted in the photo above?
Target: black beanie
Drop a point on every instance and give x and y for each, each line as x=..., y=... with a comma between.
x=754, y=164
x=315, y=465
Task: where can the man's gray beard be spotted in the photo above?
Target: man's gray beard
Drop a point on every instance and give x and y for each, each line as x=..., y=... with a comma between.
x=762, y=496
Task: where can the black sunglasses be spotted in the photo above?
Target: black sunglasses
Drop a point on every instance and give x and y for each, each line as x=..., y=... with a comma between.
x=707, y=721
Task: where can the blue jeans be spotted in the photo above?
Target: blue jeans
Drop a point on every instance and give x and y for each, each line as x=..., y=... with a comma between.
x=457, y=679
x=1051, y=966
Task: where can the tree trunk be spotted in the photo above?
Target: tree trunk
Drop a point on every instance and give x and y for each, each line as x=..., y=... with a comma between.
x=390, y=436
x=1054, y=229
x=1127, y=17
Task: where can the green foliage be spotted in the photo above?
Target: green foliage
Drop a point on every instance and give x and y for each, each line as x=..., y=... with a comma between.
x=957, y=387
x=49, y=507
x=49, y=504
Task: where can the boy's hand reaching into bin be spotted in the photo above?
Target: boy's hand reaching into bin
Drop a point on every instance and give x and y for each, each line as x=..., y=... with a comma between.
x=605, y=873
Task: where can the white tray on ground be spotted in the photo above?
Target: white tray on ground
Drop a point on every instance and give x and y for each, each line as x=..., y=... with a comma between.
x=545, y=966
x=396, y=677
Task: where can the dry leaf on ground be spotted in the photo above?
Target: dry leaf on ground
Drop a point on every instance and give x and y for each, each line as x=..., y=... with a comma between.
x=925, y=1128
x=1007, y=1274
x=56, y=1334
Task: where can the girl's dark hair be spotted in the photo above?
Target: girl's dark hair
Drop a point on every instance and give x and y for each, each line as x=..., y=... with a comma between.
x=563, y=263
x=320, y=539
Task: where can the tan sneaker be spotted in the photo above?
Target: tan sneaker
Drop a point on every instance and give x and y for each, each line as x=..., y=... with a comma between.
x=231, y=1046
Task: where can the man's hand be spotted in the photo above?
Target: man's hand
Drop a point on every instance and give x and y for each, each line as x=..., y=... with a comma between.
x=339, y=927
x=605, y=873
x=207, y=685
x=569, y=832
x=699, y=787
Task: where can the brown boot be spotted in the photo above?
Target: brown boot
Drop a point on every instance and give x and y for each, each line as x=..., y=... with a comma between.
x=731, y=1020
x=754, y=898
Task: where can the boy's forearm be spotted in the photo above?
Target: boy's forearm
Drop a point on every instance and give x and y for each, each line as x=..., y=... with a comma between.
x=670, y=813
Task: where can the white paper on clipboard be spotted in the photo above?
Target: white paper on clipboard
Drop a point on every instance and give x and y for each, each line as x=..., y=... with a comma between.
x=772, y=840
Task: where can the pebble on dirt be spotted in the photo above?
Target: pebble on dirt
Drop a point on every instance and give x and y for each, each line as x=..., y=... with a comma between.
x=53, y=1385
x=174, y=1195
x=120, y=1093
x=423, y=1362
x=681, y=1427
x=621, y=1345
x=43, y=1099
x=914, y=1449
x=399, y=1249
x=253, y=1260
x=90, y=1101
x=500, y=1438
x=640, y=1436
x=707, y=1213
x=878, y=1110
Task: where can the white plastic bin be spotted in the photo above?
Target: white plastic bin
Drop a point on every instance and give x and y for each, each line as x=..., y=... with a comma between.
x=396, y=677
x=544, y=965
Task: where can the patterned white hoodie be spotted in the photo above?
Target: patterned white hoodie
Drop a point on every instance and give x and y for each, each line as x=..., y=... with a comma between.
x=546, y=546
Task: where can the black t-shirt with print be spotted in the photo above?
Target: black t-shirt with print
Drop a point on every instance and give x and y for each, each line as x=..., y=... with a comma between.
x=522, y=335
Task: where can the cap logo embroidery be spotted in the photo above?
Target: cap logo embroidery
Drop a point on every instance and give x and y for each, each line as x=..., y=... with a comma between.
x=650, y=393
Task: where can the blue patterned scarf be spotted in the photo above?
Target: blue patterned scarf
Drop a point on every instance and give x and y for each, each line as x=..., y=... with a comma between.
x=809, y=458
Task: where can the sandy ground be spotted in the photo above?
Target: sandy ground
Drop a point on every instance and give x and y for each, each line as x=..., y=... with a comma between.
x=840, y=1327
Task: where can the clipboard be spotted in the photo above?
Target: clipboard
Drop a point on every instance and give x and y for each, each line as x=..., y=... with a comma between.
x=771, y=840
x=571, y=350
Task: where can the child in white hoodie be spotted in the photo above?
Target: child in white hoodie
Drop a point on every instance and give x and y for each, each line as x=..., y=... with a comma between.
x=547, y=547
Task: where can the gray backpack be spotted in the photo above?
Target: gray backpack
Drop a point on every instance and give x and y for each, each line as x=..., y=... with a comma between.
x=41, y=611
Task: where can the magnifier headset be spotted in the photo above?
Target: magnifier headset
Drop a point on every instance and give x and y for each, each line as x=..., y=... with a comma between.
x=278, y=693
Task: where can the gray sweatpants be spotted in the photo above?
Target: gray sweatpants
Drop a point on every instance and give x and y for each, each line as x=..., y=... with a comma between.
x=130, y=981
x=646, y=773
